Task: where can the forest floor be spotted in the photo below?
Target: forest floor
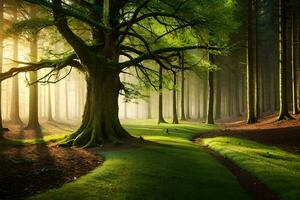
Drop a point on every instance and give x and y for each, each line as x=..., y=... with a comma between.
x=30, y=166
x=283, y=134
x=172, y=166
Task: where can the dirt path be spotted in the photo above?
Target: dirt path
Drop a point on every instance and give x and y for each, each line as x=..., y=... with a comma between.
x=250, y=183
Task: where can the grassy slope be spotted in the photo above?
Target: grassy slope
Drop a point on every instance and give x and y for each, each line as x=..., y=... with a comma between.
x=173, y=169
x=276, y=168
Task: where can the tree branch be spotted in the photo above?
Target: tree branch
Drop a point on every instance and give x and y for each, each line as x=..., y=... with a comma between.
x=152, y=55
x=57, y=64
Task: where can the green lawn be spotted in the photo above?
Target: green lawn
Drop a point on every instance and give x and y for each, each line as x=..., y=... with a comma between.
x=278, y=169
x=174, y=168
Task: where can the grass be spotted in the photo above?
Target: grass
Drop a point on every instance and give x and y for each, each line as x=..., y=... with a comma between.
x=173, y=168
x=21, y=142
x=276, y=168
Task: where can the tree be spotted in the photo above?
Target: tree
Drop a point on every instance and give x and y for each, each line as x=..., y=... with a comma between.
x=66, y=99
x=295, y=53
x=250, y=66
x=236, y=95
x=1, y=58
x=283, y=112
x=188, y=98
x=14, y=111
x=255, y=58
x=110, y=25
x=57, y=102
x=182, y=87
x=204, y=98
x=33, y=118
x=218, y=95
x=210, y=108
x=50, y=118
x=175, y=116
x=160, y=97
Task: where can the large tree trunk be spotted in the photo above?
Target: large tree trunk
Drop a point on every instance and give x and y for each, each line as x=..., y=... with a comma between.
x=283, y=112
x=14, y=111
x=100, y=122
x=175, y=117
x=33, y=121
x=250, y=67
x=160, y=97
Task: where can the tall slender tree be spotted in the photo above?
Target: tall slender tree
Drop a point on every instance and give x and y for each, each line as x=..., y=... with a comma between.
x=14, y=111
x=204, y=98
x=218, y=95
x=187, y=113
x=50, y=118
x=175, y=116
x=33, y=118
x=283, y=112
x=182, y=87
x=294, y=59
x=255, y=58
x=250, y=66
x=1, y=58
x=210, y=97
x=160, y=96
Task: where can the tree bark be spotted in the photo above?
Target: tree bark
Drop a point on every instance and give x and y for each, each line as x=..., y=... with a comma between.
x=283, y=112
x=255, y=58
x=210, y=108
x=100, y=122
x=294, y=63
x=250, y=67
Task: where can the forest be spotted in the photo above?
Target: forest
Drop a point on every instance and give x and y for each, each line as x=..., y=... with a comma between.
x=150, y=99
